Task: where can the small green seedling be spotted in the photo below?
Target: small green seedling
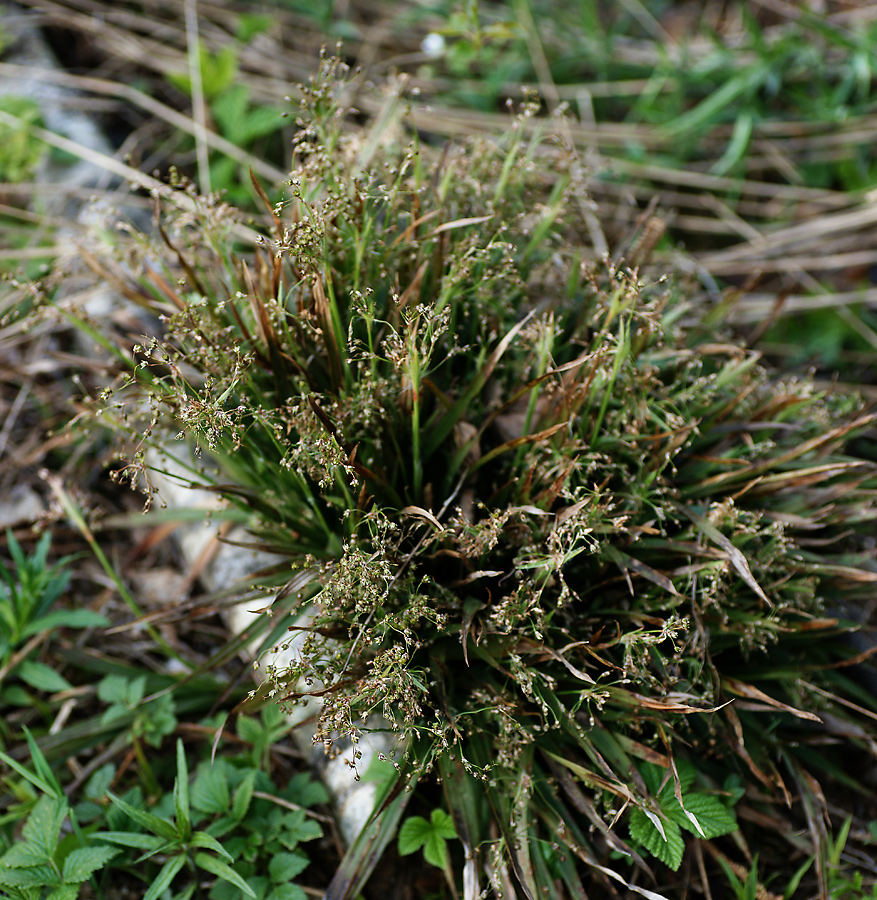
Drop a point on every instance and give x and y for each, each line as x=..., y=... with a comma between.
x=153, y=721
x=433, y=835
x=28, y=591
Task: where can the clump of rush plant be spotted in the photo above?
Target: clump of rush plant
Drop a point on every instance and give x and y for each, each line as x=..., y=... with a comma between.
x=586, y=559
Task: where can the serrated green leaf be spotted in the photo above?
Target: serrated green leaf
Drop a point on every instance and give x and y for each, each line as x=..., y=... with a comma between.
x=250, y=24
x=22, y=855
x=686, y=772
x=655, y=819
x=654, y=776
x=258, y=122
x=158, y=826
x=435, y=850
x=249, y=729
x=135, y=691
x=180, y=80
x=41, y=677
x=442, y=824
x=228, y=109
x=273, y=718
x=223, y=871
x=158, y=721
x=299, y=828
x=167, y=874
x=35, y=876
x=218, y=70
x=223, y=170
x=97, y=786
x=306, y=791
x=43, y=826
x=127, y=692
x=416, y=832
x=285, y=866
x=82, y=861
x=713, y=816
x=64, y=892
x=643, y=831
x=413, y=834
x=210, y=793
x=286, y=892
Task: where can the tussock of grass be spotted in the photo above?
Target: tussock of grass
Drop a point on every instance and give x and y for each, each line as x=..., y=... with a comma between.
x=581, y=553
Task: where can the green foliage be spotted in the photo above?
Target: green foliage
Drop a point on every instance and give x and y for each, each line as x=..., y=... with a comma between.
x=824, y=335
x=42, y=864
x=244, y=123
x=218, y=72
x=249, y=25
x=433, y=835
x=20, y=150
x=743, y=890
x=262, y=733
x=260, y=823
x=658, y=831
x=153, y=721
x=325, y=13
x=29, y=589
x=231, y=825
x=708, y=97
x=845, y=883
x=221, y=804
x=234, y=114
x=175, y=838
x=547, y=526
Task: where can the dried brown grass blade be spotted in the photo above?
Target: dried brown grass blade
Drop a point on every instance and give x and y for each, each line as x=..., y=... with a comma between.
x=742, y=689
x=324, y=317
x=116, y=281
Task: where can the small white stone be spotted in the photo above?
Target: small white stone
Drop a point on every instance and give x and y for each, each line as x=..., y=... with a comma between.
x=433, y=45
